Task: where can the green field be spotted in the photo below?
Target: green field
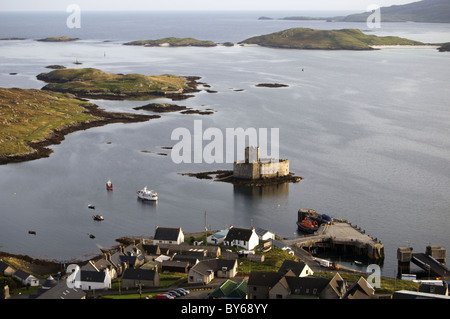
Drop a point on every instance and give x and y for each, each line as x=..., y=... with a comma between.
x=31, y=115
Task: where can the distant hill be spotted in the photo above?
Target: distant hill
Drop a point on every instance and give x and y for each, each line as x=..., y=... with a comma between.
x=437, y=11
x=433, y=11
x=346, y=39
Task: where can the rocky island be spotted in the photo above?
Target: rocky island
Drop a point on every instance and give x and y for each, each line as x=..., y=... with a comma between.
x=30, y=120
x=95, y=83
x=173, y=42
x=345, y=39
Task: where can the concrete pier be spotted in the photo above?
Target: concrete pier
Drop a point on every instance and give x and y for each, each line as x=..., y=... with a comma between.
x=344, y=236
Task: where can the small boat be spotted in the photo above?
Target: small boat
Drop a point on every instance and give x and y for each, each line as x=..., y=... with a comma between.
x=109, y=185
x=31, y=232
x=146, y=194
x=98, y=217
x=91, y=206
x=308, y=226
x=91, y=236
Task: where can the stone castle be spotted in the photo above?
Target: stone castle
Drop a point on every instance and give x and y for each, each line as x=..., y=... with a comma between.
x=254, y=167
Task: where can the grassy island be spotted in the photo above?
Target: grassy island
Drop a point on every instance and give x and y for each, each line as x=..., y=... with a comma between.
x=94, y=83
x=173, y=42
x=59, y=39
x=32, y=119
x=345, y=39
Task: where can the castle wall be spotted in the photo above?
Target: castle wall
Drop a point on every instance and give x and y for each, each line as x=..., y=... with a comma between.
x=264, y=169
x=246, y=170
x=274, y=169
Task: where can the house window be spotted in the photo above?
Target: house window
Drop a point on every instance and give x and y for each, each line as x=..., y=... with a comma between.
x=279, y=296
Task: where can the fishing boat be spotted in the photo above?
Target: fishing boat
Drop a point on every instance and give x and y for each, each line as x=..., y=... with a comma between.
x=98, y=217
x=91, y=236
x=307, y=225
x=91, y=206
x=145, y=194
x=109, y=185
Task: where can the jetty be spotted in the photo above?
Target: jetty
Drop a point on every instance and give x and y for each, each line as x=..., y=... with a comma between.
x=432, y=261
x=339, y=234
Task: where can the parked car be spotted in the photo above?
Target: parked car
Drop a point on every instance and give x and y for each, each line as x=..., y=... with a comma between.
x=181, y=291
x=186, y=292
x=174, y=293
x=164, y=296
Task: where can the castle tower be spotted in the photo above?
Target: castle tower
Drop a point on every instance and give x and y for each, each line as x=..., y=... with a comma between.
x=252, y=154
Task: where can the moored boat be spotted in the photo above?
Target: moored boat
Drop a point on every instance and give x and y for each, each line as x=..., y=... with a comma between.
x=146, y=194
x=307, y=225
x=109, y=185
x=97, y=217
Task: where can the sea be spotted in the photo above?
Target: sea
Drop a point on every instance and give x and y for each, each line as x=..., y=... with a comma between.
x=368, y=131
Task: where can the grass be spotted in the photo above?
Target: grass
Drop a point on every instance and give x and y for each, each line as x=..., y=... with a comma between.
x=387, y=285
x=31, y=115
x=94, y=81
x=345, y=39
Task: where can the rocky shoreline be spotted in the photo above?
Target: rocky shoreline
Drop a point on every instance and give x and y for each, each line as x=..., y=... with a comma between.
x=227, y=176
x=41, y=150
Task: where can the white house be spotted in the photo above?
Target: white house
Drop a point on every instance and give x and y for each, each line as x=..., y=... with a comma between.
x=26, y=278
x=264, y=234
x=242, y=237
x=87, y=279
x=164, y=235
x=217, y=238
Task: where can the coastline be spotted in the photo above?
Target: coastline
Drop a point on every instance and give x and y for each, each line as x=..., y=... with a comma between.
x=41, y=150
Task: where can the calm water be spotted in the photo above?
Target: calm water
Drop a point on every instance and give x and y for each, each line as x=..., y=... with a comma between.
x=368, y=132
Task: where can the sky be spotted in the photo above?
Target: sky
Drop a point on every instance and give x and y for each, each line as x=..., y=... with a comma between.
x=171, y=5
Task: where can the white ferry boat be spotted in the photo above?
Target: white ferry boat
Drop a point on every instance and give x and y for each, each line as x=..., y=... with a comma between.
x=146, y=194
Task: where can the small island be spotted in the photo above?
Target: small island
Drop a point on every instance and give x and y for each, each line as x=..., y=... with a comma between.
x=173, y=42
x=271, y=85
x=253, y=171
x=58, y=39
x=345, y=39
x=444, y=47
x=30, y=120
x=95, y=83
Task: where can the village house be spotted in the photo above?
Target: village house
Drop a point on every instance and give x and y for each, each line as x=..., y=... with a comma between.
x=62, y=291
x=6, y=269
x=287, y=285
x=164, y=235
x=230, y=289
x=175, y=266
x=26, y=278
x=134, y=278
x=241, y=237
x=94, y=280
x=205, y=271
x=290, y=286
x=264, y=234
x=217, y=238
x=298, y=268
x=360, y=290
